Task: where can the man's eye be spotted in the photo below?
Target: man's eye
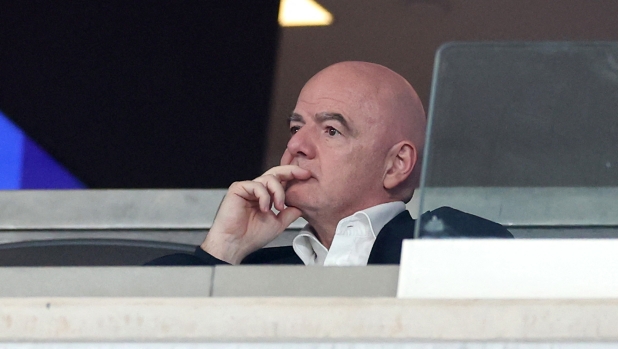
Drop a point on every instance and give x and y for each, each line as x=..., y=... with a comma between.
x=294, y=129
x=332, y=131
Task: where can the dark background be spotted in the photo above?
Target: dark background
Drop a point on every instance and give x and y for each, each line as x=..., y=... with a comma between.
x=166, y=94
x=142, y=94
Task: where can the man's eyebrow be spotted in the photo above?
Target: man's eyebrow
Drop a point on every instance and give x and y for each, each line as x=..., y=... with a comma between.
x=321, y=117
x=296, y=117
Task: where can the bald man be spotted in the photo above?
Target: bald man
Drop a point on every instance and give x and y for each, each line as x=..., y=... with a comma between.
x=352, y=162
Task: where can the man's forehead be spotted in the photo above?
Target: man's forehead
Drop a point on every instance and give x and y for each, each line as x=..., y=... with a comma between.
x=348, y=104
x=338, y=89
x=319, y=117
x=352, y=96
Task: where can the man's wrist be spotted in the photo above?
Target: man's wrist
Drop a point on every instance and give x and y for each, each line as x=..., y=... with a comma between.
x=227, y=250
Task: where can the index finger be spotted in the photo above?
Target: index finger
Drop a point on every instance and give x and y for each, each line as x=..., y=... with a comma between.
x=286, y=158
x=288, y=172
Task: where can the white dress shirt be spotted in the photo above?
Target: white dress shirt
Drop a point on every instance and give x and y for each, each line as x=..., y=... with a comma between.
x=353, y=240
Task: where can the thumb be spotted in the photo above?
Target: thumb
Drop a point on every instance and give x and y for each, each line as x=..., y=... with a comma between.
x=288, y=215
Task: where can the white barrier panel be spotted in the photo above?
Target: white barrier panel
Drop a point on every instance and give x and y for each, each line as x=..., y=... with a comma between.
x=509, y=269
x=301, y=319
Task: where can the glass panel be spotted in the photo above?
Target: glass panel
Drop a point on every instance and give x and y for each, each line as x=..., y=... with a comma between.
x=524, y=133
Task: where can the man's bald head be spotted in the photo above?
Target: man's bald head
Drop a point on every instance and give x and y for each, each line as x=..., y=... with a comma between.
x=359, y=128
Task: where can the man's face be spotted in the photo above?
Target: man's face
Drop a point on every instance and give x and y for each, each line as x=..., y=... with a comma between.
x=336, y=134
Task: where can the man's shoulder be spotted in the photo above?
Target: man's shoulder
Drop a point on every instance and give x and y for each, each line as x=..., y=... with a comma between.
x=456, y=223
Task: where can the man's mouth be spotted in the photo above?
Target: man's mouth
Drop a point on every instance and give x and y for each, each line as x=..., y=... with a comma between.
x=288, y=184
x=308, y=170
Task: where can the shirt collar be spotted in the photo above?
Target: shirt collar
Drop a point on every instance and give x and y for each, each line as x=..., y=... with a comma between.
x=381, y=214
x=312, y=252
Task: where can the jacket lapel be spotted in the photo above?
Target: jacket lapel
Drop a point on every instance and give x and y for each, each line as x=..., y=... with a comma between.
x=387, y=247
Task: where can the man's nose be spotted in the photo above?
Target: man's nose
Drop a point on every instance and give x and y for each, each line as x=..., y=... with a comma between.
x=302, y=144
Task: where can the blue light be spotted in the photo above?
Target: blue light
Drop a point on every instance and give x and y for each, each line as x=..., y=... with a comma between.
x=11, y=154
x=25, y=165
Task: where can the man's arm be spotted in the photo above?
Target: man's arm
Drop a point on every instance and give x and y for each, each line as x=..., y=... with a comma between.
x=199, y=257
x=244, y=221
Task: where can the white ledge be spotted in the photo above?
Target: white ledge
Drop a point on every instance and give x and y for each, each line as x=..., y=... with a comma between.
x=315, y=319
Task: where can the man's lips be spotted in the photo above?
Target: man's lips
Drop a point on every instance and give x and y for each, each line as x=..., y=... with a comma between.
x=297, y=181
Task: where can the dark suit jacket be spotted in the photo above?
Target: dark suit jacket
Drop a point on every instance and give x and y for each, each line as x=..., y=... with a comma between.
x=386, y=249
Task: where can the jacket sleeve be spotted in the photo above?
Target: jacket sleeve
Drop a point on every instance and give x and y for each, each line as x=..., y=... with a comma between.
x=199, y=257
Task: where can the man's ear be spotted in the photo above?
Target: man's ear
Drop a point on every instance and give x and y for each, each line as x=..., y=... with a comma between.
x=399, y=165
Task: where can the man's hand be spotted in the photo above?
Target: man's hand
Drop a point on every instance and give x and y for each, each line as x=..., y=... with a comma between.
x=245, y=222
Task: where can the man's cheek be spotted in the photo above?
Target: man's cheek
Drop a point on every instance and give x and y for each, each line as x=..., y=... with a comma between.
x=295, y=194
x=289, y=184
